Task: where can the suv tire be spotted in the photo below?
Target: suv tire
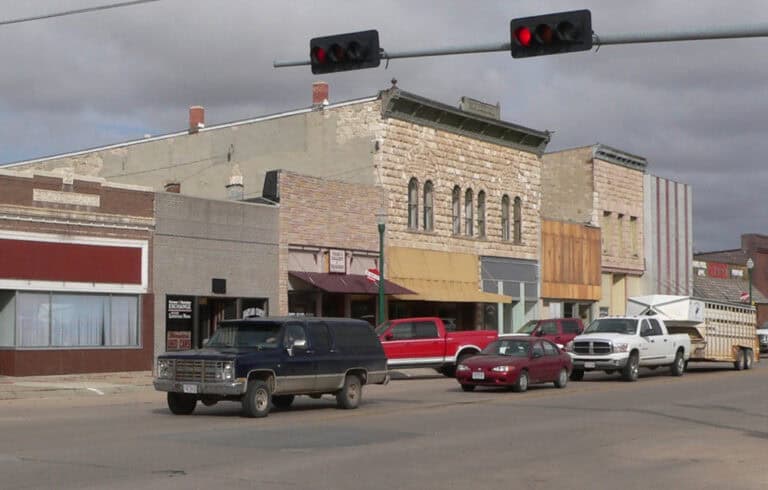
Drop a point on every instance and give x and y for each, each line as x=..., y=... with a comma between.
x=181, y=403
x=256, y=399
x=348, y=397
x=632, y=369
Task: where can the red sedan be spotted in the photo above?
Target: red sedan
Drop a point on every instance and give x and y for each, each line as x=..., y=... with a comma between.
x=515, y=362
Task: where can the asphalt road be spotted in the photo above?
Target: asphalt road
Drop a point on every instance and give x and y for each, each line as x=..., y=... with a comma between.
x=706, y=430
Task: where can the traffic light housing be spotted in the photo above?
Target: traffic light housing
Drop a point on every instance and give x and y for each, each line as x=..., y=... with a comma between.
x=561, y=32
x=342, y=52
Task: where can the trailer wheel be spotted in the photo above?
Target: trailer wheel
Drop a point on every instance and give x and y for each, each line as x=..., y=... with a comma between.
x=738, y=364
x=749, y=358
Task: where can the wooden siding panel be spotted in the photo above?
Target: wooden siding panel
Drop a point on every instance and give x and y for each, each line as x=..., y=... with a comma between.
x=570, y=257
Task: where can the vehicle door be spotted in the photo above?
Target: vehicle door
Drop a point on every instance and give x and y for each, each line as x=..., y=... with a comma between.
x=299, y=366
x=537, y=365
x=662, y=348
x=552, y=360
x=397, y=343
x=548, y=330
x=649, y=350
x=427, y=341
x=569, y=329
x=330, y=372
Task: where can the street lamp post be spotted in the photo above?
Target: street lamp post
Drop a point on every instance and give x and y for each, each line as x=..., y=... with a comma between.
x=381, y=220
x=750, y=266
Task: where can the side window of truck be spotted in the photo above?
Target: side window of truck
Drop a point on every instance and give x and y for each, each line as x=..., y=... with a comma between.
x=570, y=326
x=645, y=329
x=402, y=331
x=549, y=328
x=425, y=330
x=655, y=327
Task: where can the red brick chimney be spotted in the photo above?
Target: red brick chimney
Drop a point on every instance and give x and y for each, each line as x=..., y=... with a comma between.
x=174, y=187
x=319, y=94
x=196, y=118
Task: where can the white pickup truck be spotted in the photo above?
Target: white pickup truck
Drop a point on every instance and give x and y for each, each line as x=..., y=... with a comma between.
x=626, y=344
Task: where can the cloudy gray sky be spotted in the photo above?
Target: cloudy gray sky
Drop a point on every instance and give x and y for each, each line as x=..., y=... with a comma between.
x=695, y=110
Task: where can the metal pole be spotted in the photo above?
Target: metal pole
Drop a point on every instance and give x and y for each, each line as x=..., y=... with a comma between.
x=382, y=307
x=749, y=271
x=714, y=32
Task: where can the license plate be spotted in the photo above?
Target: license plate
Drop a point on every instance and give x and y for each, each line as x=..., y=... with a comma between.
x=478, y=375
x=189, y=388
x=589, y=365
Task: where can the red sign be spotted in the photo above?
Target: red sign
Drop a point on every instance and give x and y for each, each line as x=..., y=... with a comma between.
x=372, y=275
x=719, y=271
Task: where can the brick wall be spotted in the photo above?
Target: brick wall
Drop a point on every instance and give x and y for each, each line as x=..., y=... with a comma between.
x=567, y=186
x=447, y=159
x=324, y=213
x=619, y=192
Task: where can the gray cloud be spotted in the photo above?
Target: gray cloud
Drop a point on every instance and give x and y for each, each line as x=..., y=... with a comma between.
x=696, y=110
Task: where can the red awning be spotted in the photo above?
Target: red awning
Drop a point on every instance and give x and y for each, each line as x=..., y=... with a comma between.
x=347, y=283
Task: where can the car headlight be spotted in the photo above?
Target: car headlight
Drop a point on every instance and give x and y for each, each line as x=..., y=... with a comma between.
x=462, y=367
x=620, y=347
x=165, y=368
x=569, y=346
x=226, y=371
x=503, y=369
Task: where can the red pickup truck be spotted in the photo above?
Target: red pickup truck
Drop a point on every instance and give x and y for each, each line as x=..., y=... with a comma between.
x=426, y=342
x=557, y=330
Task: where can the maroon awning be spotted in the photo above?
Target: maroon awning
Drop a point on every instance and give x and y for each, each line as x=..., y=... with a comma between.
x=347, y=283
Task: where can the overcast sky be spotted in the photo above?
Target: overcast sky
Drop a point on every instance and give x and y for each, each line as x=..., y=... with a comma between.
x=695, y=110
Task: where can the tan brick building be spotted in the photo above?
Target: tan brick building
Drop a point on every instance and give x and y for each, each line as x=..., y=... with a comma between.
x=461, y=192
x=600, y=186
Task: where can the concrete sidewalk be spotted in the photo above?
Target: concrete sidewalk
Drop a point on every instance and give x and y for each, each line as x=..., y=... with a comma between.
x=93, y=384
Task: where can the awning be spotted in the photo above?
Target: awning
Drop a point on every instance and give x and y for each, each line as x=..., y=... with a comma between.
x=347, y=283
x=438, y=276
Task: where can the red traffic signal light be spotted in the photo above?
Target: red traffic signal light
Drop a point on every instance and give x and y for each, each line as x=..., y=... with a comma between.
x=561, y=32
x=342, y=52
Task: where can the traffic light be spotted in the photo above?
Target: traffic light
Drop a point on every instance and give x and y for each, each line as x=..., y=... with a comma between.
x=343, y=52
x=562, y=32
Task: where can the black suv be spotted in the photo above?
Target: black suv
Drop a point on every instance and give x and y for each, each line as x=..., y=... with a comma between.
x=268, y=361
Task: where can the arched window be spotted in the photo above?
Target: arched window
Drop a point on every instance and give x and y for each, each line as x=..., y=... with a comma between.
x=481, y=214
x=413, y=204
x=468, y=211
x=456, y=210
x=505, y=218
x=428, y=216
x=518, y=217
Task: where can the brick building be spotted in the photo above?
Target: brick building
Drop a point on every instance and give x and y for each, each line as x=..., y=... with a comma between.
x=598, y=186
x=723, y=275
x=75, y=275
x=461, y=191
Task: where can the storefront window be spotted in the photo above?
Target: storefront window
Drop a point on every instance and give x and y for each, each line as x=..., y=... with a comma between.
x=7, y=316
x=76, y=320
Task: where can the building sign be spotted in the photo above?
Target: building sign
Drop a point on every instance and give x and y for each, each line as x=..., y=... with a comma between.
x=337, y=261
x=178, y=341
x=717, y=270
x=178, y=313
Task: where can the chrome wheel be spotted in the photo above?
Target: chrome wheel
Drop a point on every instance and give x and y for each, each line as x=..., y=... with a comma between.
x=261, y=397
x=562, y=379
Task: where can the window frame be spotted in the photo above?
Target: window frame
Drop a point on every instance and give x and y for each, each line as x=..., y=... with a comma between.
x=469, y=224
x=413, y=204
x=428, y=212
x=481, y=214
x=518, y=220
x=456, y=210
x=505, y=218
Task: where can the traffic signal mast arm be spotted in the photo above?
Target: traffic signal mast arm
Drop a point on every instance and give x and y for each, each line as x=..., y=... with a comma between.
x=727, y=32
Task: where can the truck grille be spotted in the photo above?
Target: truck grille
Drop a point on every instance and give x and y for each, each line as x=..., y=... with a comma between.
x=595, y=347
x=197, y=370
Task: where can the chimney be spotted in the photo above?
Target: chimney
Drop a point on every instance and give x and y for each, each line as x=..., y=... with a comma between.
x=174, y=187
x=235, y=189
x=196, y=118
x=319, y=94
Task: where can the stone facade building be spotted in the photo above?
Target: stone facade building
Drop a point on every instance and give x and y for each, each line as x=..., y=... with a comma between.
x=461, y=191
x=600, y=186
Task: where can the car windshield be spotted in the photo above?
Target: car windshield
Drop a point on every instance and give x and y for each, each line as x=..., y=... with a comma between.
x=382, y=328
x=257, y=336
x=528, y=327
x=626, y=326
x=508, y=347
